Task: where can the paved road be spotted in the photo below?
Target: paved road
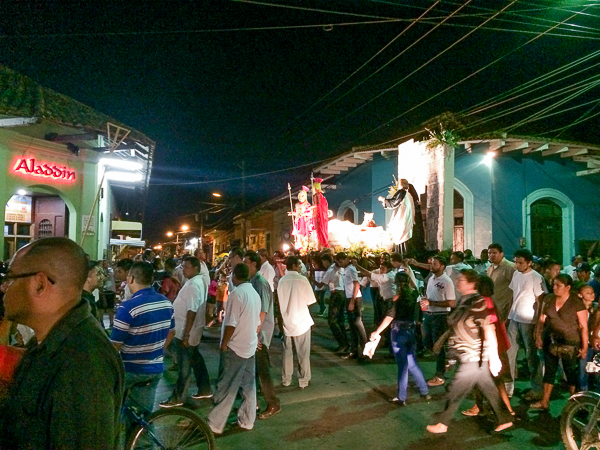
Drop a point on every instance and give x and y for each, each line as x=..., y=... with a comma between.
x=345, y=407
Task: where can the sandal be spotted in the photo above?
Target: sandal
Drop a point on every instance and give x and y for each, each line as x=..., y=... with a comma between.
x=471, y=412
x=538, y=406
x=503, y=427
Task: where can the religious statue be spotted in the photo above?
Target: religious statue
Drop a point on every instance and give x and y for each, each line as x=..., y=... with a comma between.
x=406, y=221
x=320, y=214
x=303, y=220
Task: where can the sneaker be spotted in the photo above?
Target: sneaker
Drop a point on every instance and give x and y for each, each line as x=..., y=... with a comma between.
x=200, y=395
x=436, y=381
x=170, y=404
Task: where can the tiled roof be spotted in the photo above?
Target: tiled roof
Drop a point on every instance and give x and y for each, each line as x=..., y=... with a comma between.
x=23, y=97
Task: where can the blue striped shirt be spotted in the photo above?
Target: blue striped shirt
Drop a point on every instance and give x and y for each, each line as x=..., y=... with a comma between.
x=141, y=325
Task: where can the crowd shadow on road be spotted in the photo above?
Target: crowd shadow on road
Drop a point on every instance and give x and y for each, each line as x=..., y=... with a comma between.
x=335, y=419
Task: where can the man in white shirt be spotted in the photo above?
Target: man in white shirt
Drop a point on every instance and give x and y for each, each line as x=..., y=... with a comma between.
x=190, y=318
x=267, y=325
x=437, y=304
x=354, y=307
x=527, y=286
x=266, y=269
x=204, y=273
x=457, y=263
x=239, y=340
x=295, y=295
x=334, y=279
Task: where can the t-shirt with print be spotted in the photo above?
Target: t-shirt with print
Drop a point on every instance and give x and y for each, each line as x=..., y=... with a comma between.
x=439, y=289
x=469, y=319
x=526, y=287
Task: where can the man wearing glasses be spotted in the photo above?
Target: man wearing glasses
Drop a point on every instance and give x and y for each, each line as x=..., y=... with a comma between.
x=67, y=390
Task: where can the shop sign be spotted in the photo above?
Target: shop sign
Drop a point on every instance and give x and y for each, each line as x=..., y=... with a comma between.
x=28, y=166
x=18, y=209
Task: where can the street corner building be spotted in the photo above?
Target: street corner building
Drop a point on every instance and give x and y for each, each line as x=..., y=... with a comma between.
x=66, y=168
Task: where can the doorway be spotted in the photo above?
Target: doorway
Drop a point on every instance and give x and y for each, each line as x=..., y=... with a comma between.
x=459, y=223
x=547, y=229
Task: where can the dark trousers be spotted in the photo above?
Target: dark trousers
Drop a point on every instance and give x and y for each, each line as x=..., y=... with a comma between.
x=358, y=334
x=189, y=359
x=570, y=367
x=467, y=377
x=434, y=326
x=378, y=307
x=263, y=364
x=336, y=318
x=320, y=295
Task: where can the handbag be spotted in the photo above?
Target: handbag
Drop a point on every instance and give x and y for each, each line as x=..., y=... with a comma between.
x=563, y=351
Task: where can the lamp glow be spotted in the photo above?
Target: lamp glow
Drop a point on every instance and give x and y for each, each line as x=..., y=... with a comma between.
x=124, y=164
x=216, y=194
x=285, y=247
x=128, y=177
x=488, y=158
x=184, y=228
x=169, y=233
x=21, y=192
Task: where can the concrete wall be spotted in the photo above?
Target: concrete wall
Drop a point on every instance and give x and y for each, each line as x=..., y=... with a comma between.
x=500, y=191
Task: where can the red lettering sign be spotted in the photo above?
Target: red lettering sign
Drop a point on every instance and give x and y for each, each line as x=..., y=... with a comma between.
x=27, y=166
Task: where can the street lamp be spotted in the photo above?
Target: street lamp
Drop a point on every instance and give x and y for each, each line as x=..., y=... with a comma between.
x=170, y=233
x=184, y=228
x=216, y=194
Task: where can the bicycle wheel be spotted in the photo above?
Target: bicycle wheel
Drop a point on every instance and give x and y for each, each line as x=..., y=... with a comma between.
x=173, y=429
x=575, y=417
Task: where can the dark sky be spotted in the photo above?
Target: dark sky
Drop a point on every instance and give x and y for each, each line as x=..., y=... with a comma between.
x=211, y=99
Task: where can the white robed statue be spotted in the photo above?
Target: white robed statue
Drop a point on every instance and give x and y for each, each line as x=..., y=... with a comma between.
x=401, y=224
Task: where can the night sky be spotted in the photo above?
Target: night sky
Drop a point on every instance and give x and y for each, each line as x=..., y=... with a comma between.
x=274, y=98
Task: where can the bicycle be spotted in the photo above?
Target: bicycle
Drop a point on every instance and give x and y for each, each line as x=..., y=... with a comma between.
x=167, y=429
x=580, y=419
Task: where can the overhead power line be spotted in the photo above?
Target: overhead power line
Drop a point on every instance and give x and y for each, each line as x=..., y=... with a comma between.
x=222, y=180
x=415, y=71
x=413, y=22
x=463, y=79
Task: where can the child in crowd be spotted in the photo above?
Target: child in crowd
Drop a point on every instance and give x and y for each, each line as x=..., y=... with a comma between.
x=586, y=294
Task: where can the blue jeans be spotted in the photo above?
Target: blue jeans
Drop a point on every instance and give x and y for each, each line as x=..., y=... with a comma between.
x=584, y=377
x=434, y=326
x=525, y=331
x=403, y=347
x=188, y=359
x=142, y=390
x=237, y=374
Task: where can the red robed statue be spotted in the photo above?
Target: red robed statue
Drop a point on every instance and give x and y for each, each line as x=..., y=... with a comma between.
x=321, y=216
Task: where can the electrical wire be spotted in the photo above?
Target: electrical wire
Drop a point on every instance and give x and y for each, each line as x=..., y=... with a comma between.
x=462, y=80
x=415, y=71
x=538, y=115
x=583, y=118
x=489, y=103
x=535, y=101
x=413, y=22
x=241, y=178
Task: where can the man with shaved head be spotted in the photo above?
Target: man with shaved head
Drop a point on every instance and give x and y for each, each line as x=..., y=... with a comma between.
x=67, y=390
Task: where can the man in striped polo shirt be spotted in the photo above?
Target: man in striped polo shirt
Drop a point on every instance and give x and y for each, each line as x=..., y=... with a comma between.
x=141, y=327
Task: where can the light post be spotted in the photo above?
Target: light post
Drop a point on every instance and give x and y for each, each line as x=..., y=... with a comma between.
x=184, y=229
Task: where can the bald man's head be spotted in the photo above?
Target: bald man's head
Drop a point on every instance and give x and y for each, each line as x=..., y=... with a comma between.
x=60, y=258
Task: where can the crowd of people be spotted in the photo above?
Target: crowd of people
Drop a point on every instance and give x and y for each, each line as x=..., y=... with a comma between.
x=471, y=316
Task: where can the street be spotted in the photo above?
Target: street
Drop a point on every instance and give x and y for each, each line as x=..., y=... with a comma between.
x=346, y=406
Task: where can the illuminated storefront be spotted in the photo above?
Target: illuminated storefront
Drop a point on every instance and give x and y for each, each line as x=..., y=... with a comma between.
x=63, y=166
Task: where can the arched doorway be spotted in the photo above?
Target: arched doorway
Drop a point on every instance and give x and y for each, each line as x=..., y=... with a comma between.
x=566, y=238
x=349, y=215
x=546, y=229
x=348, y=211
x=40, y=211
x=459, y=223
x=464, y=218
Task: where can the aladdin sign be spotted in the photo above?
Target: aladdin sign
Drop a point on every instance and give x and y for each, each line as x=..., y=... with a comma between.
x=29, y=167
